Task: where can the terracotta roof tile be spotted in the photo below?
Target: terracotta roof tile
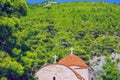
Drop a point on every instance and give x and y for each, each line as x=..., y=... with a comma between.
x=73, y=60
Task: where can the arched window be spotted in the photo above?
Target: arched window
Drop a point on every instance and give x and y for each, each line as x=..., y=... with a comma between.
x=54, y=78
x=92, y=78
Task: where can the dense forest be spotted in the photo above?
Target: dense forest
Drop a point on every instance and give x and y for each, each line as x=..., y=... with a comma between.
x=30, y=34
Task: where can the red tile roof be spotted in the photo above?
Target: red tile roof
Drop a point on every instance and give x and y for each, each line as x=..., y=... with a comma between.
x=73, y=60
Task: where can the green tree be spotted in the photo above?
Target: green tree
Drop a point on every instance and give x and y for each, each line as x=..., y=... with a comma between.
x=111, y=71
x=9, y=68
x=13, y=8
x=8, y=27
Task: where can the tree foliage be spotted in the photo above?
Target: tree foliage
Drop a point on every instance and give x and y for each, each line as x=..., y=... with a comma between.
x=13, y=8
x=110, y=70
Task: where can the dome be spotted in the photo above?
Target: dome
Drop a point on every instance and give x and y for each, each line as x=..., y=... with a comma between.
x=73, y=60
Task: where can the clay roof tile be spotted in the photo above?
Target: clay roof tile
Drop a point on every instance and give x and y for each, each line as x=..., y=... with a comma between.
x=73, y=60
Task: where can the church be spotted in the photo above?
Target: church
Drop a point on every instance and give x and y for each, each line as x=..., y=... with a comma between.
x=71, y=67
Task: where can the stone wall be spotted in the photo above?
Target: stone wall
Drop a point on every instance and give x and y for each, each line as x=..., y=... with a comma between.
x=59, y=72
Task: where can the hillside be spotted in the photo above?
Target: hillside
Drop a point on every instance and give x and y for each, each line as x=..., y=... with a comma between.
x=93, y=29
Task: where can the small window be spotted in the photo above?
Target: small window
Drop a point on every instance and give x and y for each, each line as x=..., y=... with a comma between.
x=92, y=78
x=54, y=78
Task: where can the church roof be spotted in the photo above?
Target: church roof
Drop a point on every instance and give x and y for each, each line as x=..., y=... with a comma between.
x=73, y=60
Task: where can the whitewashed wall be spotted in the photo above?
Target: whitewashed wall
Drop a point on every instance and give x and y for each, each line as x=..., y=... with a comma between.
x=83, y=72
x=59, y=71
